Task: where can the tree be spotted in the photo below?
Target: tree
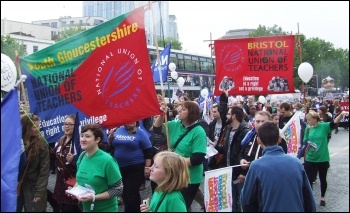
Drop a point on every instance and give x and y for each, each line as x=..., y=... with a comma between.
x=9, y=46
x=270, y=31
x=69, y=32
x=175, y=44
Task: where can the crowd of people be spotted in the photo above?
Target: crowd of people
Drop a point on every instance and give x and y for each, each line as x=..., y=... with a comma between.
x=241, y=132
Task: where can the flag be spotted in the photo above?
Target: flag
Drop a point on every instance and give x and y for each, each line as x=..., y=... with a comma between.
x=164, y=62
x=76, y=136
x=11, y=132
x=250, y=66
x=104, y=73
x=291, y=133
x=217, y=190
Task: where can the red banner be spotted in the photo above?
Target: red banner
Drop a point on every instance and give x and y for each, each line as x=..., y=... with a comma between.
x=252, y=66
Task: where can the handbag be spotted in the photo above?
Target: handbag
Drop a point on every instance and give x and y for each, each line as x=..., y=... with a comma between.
x=70, y=182
x=220, y=157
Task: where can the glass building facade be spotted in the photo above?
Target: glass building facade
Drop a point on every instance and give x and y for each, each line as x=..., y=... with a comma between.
x=111, y=9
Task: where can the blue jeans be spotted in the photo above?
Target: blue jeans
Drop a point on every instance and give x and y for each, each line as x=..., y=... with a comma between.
x=236, y=192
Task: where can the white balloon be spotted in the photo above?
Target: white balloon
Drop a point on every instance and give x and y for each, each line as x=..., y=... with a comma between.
x=8, y=73
x=261, y=99
x=172, y=66
x=174, y=75
x=305, y=71
x=204, y=93
x=180, y=82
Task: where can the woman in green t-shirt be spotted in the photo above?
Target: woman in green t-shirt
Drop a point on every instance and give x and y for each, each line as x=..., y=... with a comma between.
x=317, y=154
x=98, y=171
x=188, y=139
x=171, y=174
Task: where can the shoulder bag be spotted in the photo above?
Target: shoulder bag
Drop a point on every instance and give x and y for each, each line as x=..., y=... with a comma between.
x=72, y=180
x=182, y=136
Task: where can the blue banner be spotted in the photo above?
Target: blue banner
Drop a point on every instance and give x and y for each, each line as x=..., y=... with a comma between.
x=11, y=132
x=164, y=62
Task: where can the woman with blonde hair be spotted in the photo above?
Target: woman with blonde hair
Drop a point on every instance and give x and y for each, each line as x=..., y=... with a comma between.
x=317, y=154
x=34, y=179
x=171, y=174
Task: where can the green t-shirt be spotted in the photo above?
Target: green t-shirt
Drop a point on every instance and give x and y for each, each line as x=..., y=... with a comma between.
x=172, y=202
x=194, y=142
x=99, y=171
x=319, y=136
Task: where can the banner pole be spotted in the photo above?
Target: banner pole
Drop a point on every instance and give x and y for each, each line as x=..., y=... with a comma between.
x=301, y=61
x=24, y=95
x=160, y=74
x=225, y=168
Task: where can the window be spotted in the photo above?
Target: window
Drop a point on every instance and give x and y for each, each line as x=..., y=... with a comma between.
x=173, y=58
x=97, y=21
x=195, y=62
x=181, y=62
x=211, y=64
x=63, y=23
x=71, y=23
x=188, y=63
x=54, y=24
x=25, y=48
x=204, y=65
x=35, y=48
x=152, y=55
x=99, y=9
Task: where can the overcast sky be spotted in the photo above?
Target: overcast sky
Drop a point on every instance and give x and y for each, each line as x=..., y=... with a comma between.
x=327, y=20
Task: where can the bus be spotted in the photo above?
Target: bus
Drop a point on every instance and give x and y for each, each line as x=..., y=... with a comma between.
x=196, y=69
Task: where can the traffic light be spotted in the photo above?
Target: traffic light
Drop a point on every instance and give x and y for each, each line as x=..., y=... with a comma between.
x=313, y=81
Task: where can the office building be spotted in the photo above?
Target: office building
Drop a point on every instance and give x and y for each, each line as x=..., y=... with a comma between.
x=111, y=9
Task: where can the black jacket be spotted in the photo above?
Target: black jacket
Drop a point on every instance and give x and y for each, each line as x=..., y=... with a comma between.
x=235, y=146
x=222, y=110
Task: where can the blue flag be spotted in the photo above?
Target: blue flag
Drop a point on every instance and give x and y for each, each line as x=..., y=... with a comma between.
x=11, y=131
x=76, y=137
x=164, y=62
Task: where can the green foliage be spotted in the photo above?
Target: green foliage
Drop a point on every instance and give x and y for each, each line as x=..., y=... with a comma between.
x=325, y=59
x=270, y=31
x=69, y=32
x=9, y=46
x=175, y=44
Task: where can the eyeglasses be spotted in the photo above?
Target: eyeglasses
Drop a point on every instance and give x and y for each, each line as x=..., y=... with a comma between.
x=68, y=124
